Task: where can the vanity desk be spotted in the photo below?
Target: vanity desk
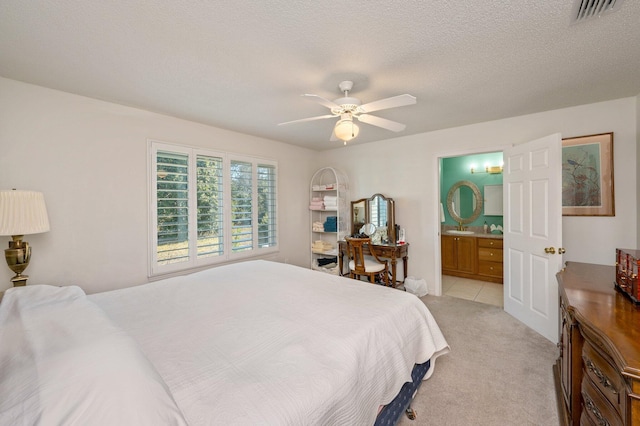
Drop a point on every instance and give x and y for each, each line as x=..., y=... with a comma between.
x=393, y=252
x=375, y=217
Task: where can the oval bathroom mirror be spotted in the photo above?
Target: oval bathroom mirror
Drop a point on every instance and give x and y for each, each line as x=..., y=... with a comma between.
x=464, y=202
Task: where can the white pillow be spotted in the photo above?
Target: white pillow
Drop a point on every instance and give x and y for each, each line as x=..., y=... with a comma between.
x=62, y=361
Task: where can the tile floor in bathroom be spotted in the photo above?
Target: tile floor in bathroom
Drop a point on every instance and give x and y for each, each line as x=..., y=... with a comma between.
x=479, y=291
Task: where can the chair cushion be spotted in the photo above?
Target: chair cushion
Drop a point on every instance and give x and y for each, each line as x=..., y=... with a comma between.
x=370, y=265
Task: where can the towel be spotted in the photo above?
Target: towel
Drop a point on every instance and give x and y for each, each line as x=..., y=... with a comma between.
x=441, y=213
x=327, y=261
x=321, y=246
x=330, y=202
x=316, y=204
x=331, y=224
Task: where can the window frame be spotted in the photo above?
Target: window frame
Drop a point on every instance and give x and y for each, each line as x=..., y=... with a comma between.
x=228, y=255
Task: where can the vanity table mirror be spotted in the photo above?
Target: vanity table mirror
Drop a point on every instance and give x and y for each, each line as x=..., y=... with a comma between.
x=464, y=202
x=358, y=215
x=377, y=210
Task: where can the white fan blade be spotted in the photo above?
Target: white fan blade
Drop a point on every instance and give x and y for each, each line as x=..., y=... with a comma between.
x=322, y=101
x=393, y=102
x=394, y=126
x=302, y=120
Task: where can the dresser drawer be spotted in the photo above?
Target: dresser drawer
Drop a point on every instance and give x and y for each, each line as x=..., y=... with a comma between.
x=604, y=377
x=490, y=254
x=490, y=242
x=596, y=409
x=493, y=269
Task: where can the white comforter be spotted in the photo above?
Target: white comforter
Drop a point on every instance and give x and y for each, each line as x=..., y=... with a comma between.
x=266, y=343
x=63, y=362
x=263, y=343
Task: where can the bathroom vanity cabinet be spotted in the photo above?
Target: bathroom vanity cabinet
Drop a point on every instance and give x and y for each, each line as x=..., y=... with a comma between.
x=490, y=259
x=477, y=257
x=458, y=254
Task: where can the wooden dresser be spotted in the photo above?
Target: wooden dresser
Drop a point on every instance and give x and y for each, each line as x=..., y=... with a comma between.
x=598, y=370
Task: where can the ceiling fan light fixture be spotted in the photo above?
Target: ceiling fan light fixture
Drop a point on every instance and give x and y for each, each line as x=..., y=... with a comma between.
x=346, y=129
x=348, y=107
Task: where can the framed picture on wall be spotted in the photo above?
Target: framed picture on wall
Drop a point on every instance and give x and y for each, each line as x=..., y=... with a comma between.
x=587, y=176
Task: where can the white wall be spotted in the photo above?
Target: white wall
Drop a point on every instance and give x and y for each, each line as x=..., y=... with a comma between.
x=406, y=169
x=89, y=158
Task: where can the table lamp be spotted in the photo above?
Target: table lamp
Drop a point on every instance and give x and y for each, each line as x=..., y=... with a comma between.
x=21, y=213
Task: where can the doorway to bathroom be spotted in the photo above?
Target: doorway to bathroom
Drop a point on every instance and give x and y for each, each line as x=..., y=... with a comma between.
x=471, y=227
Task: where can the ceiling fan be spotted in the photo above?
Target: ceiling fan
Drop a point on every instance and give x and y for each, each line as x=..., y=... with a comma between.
x=348, y=108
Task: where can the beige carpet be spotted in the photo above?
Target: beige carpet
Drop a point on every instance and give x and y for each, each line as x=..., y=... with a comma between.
x=499, y=372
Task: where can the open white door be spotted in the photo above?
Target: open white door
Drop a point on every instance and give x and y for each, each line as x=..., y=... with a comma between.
x=533, y=233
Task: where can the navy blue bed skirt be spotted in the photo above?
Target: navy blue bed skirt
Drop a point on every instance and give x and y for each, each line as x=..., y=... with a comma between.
x=390, y=414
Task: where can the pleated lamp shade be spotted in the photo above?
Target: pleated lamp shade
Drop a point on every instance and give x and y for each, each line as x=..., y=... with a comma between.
x=22, y=213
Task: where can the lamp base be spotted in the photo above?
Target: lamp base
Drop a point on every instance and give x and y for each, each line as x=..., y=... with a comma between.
x=19, y=280
x=18, y=256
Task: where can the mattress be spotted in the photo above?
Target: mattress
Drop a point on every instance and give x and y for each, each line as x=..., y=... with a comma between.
x=261, y=342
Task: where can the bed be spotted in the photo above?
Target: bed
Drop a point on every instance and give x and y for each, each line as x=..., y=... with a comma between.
x=251, y=343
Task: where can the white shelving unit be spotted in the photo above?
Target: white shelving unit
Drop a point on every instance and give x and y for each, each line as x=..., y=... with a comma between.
x=328, y=184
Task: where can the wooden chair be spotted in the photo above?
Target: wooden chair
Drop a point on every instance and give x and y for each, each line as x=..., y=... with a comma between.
x=359, y=264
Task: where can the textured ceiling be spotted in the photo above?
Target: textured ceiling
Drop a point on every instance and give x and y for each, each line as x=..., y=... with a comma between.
x=242, y=65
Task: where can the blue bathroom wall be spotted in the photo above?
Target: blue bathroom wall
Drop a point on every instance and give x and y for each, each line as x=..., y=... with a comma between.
x=455, y=169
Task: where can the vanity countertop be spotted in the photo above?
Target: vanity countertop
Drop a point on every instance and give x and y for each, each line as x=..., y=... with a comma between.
x=476, y=233
x=493, y=236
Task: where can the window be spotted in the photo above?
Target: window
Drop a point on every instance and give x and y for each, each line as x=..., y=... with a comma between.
x=241, y=206
x=267, y=205
x=209, y=207
x=172, y=208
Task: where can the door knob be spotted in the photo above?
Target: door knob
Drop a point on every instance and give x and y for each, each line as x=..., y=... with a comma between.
x=561, y=250
x=550, y=250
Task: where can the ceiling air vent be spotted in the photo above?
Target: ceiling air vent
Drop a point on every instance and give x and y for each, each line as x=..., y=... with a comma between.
x=587, y=9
